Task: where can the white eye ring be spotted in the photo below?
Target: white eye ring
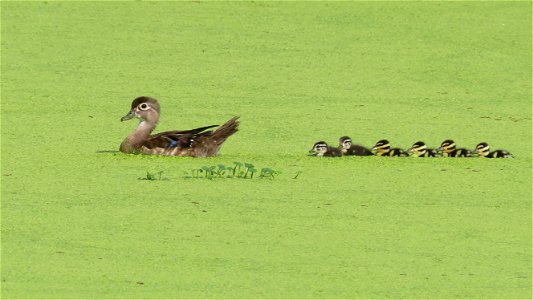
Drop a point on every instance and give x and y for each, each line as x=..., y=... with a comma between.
x=143, y=106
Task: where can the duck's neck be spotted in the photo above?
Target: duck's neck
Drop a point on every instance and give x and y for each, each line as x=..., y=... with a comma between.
x=135, y=140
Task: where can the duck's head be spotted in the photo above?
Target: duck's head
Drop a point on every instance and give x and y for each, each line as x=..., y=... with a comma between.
x=382, y=146
x=447, y=146
x=345, y=142
x=418, y=148
x=482, y=149
x=319, y=148
x=144, y=109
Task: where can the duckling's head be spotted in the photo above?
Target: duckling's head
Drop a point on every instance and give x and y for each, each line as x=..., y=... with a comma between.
x=382, y=146
x=447, y=146
x=345, y=142
x=482, y=149
x=319, y=148
x=418, y=148
x=145, y=109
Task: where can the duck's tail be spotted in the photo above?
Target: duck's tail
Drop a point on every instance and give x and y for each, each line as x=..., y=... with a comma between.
x=225, y=131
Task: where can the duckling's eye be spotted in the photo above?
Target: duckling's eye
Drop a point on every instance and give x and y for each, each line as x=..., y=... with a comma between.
x=143, y=106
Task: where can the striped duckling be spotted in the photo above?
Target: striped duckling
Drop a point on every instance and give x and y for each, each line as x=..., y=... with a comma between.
x=483, y=150
x=322, y=149
x=198, y=142
x=419, y=149
x=383, y=148
x=448, y=149
x=347, y=148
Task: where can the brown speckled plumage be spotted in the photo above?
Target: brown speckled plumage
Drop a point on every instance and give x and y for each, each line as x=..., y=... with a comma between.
x=198, y=142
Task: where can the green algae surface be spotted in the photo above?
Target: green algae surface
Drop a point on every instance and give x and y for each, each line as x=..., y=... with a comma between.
x=77, y=222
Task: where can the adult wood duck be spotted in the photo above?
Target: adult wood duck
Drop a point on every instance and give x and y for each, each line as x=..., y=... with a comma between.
x=322, y=149
x=419, y=149
x=383, y=149
x=347, y=148
x=198, y=142
x=448, y=149
x=483, y=150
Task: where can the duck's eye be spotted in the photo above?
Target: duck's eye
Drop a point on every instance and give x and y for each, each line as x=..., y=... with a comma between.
x=143, y=106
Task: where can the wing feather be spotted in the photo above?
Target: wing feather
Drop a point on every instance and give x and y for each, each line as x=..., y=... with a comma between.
x=177, y=138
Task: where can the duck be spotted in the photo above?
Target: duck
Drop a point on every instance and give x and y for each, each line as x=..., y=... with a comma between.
x=197, y=142
x=483, y=150
x=347, y=148
x=419, y=149
x=322, y=149
x=383, y=148
x=448, y=149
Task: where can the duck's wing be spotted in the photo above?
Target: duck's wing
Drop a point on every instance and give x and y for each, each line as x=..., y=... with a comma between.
x=198, y=142
x=176, y=138
x=182, y=132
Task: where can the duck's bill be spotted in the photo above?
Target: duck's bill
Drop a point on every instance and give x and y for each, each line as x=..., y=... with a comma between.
x=129, y=116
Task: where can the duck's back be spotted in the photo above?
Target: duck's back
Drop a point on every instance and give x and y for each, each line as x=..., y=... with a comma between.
x=358, y=150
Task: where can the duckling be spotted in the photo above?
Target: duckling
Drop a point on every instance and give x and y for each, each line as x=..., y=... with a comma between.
x=383, y=149
x=448, y=149
x=322, y=149
x=419, y=149
x=483, y=150
x=347, y=148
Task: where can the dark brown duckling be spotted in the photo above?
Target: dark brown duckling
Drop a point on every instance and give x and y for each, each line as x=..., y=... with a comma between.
x=322, y=149
x=347, y=148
